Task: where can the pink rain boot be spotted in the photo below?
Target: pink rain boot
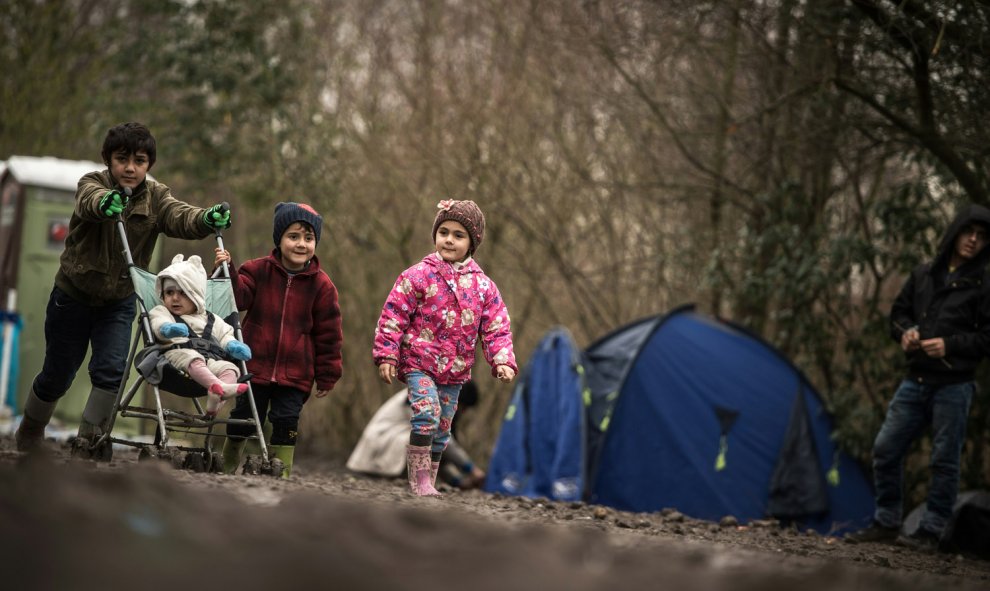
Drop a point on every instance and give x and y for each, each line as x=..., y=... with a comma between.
x=419, y=468
x=434, y=470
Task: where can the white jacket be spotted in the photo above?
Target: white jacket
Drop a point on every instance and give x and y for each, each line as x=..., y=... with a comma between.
x=191, y=278
x=382, y=448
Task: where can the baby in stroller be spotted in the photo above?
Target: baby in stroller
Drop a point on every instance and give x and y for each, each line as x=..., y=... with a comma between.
x=194, y=340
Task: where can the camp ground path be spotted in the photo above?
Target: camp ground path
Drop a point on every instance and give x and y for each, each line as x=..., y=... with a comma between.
x=76, y=524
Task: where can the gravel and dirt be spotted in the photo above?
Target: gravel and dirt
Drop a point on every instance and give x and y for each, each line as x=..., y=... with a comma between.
x=67, y=523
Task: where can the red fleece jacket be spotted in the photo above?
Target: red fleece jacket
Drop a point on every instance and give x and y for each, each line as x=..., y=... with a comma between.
x=291, y=323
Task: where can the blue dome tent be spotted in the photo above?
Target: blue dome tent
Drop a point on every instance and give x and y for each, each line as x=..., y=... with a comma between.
x=680, y=411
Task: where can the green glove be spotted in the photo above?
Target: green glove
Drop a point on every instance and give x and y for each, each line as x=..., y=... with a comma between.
x=112, y=203
x=218, y=216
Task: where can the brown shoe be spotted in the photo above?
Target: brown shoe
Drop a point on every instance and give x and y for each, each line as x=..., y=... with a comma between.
x=874, y=533
x=922, y=540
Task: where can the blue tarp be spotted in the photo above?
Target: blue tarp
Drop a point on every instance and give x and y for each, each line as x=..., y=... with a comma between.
x=12, y=319
x=542, y=445
x=682, y=411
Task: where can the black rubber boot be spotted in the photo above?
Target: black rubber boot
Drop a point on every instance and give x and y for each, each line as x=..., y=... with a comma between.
x=31, y=432
x=96, y=415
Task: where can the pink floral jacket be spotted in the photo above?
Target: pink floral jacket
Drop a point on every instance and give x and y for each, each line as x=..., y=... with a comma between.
x=432, y=319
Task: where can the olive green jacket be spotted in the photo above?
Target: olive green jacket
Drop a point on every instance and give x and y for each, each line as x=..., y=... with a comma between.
x=93, y=269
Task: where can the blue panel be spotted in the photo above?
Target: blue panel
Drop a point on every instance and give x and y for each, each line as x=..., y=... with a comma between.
x=509, y=466
x=540, y=450
x=556, y=436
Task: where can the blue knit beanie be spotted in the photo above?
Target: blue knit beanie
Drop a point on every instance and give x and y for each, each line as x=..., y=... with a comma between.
x=287, y=213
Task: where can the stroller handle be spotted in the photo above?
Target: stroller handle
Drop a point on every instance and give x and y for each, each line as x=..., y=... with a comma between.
x=219, y=235
x=119, y=219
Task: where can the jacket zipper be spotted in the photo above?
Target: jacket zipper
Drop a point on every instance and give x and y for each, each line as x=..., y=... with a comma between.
x=281, y=328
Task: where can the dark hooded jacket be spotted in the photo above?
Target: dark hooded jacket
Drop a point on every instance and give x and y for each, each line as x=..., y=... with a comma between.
x=954, y=307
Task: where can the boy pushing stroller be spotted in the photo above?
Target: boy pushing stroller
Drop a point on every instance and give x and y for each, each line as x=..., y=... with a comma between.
x=92, y=303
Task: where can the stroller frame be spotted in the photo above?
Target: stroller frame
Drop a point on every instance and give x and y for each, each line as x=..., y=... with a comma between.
x=168, y=420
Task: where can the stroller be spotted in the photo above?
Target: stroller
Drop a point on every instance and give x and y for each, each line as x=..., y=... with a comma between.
x=153, y=368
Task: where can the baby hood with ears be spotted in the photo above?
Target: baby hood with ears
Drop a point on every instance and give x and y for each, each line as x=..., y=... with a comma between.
x=189, y=275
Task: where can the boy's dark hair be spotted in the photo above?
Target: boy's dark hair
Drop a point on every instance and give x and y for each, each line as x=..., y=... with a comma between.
x=129, y=138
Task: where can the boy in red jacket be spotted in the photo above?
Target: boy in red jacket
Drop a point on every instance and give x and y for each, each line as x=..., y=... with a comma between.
x=292, y=325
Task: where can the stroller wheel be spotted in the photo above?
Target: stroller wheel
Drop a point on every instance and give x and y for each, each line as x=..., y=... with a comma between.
x=167, y=455
x=253, y=465
x=173, y=456
x=275, y=467
x=103, y=452
x=79, y=448
x=82, y=448
x=195, y=461
x=215, y=463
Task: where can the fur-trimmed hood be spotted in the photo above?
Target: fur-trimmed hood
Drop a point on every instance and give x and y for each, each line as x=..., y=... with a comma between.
x=191, y=277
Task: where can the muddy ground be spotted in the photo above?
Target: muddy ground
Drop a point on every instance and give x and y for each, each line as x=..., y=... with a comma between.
x=72, y=524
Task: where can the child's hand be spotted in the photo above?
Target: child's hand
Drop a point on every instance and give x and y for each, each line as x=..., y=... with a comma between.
x=475, y=479
x=222, y=256
x=218, y=216
x=504, y=373
x=322, y=393
x=113, y=203
x=387, y=372
x=170, y=330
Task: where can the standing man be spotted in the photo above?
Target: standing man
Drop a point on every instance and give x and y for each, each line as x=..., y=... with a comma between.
x=942, y=320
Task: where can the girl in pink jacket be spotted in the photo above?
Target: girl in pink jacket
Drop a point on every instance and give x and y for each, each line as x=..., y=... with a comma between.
x=428, y=330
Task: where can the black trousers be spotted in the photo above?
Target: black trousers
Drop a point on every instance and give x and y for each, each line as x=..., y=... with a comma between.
x=281, y=404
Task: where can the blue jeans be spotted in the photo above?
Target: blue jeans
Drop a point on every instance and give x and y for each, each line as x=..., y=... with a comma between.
x=70, y=328
x=433, y=407
x=914, y=406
